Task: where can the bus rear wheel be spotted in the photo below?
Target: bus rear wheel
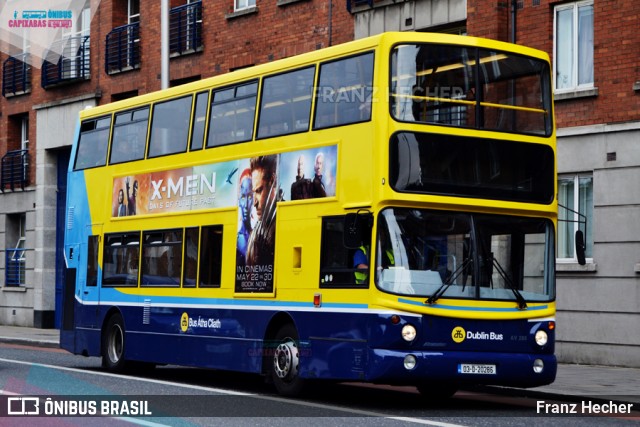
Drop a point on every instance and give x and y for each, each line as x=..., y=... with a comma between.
x=113, y=344
x=286, y=362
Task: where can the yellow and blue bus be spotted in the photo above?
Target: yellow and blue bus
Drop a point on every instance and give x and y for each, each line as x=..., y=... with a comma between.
x=380, y=211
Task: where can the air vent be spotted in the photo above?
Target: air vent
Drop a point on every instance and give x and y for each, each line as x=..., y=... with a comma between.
x=146, y=312
x=70, y=217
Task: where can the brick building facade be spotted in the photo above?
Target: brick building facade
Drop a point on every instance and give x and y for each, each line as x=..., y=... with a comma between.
x=39, y=109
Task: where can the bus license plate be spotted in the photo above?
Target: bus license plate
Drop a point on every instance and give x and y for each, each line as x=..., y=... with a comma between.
x=466, y=368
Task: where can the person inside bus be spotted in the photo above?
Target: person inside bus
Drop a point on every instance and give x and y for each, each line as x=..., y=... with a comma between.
x=361, y=259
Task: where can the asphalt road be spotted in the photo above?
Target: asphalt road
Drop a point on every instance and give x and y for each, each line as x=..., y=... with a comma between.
x=178, y=396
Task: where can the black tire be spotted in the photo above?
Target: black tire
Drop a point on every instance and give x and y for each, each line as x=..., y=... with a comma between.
x=113, y=345
x=437, y=391
x=285, y=362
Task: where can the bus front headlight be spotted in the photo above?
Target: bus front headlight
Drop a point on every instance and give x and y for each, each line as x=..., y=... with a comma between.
x=541, y=338
x=408, y=333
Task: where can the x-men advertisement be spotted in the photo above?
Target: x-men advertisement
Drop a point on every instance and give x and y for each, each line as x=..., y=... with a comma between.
x=254, y=186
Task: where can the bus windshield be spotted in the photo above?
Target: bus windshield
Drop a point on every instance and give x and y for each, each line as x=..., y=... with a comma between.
x=437, y=254
x=470, y=87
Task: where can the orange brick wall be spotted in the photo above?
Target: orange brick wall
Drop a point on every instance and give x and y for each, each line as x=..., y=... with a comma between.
x=272, y=33
x=616, y=53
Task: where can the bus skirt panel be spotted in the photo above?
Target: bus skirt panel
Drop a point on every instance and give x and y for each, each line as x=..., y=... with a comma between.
x=452, y=367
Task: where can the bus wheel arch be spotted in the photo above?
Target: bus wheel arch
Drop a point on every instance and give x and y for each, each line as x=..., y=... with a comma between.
x=282, y=356
x=113, y=342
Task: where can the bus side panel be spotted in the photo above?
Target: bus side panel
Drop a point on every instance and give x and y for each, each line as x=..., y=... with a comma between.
x=334, y=345
x=217, y=338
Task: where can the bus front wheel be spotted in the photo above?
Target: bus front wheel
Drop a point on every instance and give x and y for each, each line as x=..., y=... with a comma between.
x=113, y=344
x=286, y=362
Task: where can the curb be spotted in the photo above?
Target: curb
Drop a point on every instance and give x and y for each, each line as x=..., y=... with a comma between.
x=31, y=342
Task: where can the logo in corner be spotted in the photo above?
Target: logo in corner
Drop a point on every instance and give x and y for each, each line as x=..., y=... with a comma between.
x=184, y=322
x=458, y=334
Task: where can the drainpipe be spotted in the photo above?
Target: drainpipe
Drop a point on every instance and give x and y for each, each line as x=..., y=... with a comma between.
x=330, y=29
x=514, y=13
x=164, y=44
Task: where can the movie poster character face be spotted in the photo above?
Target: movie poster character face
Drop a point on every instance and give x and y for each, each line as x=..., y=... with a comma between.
x=256, y=275
x=246, y=216
x=308, y=174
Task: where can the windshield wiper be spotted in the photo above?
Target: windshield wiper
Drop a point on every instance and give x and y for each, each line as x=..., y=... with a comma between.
x=445, y=285
x=522, y=303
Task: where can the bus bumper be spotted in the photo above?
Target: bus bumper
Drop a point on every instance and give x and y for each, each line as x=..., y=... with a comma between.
x=509, y=369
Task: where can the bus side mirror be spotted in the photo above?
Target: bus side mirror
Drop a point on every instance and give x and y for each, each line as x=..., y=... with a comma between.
x=357, y=230
x=580, y=247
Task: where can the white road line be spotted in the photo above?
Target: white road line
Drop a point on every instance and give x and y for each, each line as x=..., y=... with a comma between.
x=237, y=393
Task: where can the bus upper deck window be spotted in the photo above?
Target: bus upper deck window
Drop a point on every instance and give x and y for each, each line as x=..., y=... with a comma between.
x=344, y=93
x=93, y=143
x=286, y=103
x=233, y=110
x=199, y=121
x=129, y=135
x=170, y=127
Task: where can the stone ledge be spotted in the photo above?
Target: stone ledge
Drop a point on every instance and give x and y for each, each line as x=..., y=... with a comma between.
x=576, y=94
x=14, y=289
x=574, y=267
x=287, y=2
x=244, y=12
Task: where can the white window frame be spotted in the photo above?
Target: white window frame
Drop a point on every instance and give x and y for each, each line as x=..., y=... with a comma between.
x=133, y=16
x=19, y=253
x=243, y=4
x=191, y=20
x=24, y=140
x=71, y=42
x=24, y=132
x=576, y=222
x=574, y=47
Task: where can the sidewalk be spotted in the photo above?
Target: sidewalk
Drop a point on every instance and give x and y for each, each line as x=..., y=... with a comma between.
x=573, y=382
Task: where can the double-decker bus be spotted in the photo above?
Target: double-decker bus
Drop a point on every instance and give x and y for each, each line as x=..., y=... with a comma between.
x=380, y=211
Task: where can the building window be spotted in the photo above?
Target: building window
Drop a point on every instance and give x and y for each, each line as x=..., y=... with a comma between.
x=133, y=11
x=24, y=141
x=185, y=28
x=15, y=257
x=575, y=196
x=14, y=165
x=244, y=4
x=122, y=48
x=573, y=46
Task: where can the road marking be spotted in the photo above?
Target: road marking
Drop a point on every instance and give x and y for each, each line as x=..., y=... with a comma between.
x=238, y=393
